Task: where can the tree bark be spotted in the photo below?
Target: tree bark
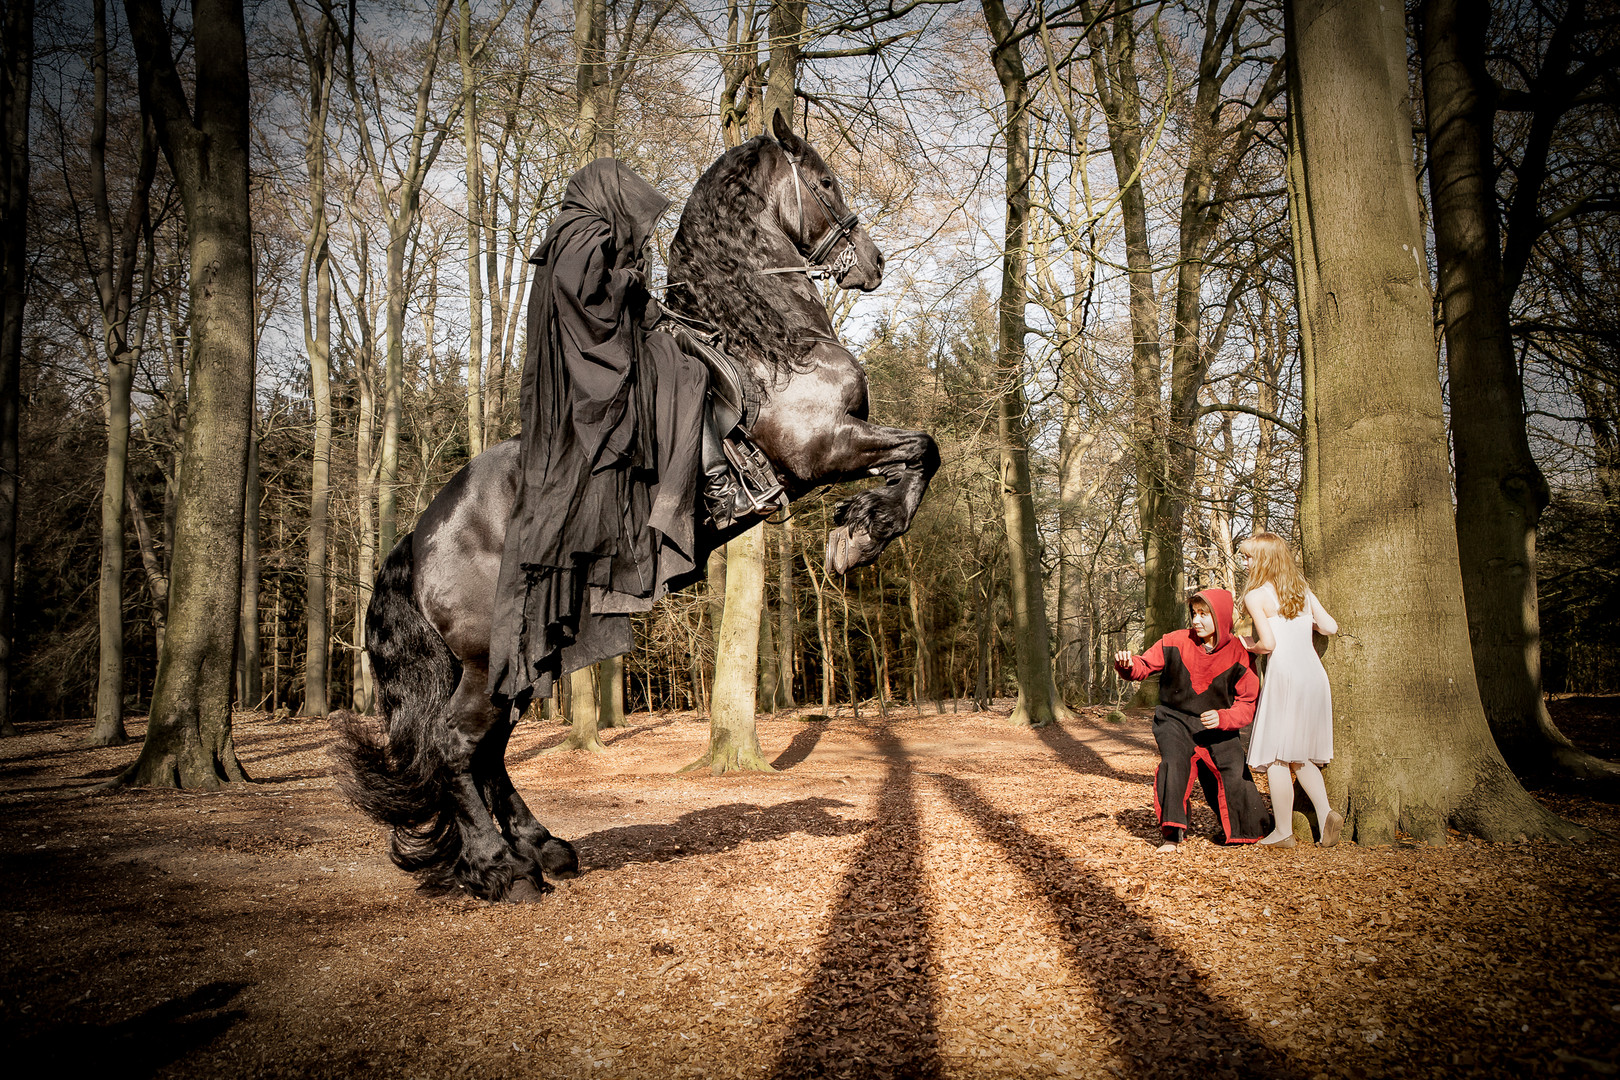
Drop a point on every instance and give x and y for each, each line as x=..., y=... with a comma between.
x=733, y=738
x=16, y=89
x=1414, y=752
x=1500, y=490
x=188, y=741
x=115, y=287
x=583, y=709
x=475, y=231
x=250, y=656
x=788, y=613
x=1039, y=703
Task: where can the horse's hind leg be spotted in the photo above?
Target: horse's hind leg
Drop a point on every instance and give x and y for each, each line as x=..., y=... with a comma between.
x=865, y=523
x=488, y=864
x=518, y=824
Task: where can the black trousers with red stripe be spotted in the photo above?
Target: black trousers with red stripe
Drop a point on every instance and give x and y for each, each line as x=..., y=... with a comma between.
x=1216, y=759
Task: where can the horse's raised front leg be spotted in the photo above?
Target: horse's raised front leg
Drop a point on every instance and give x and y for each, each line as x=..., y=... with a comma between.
x=864, y=524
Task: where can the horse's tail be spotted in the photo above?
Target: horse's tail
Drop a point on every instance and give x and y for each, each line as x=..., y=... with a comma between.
x=399, y=776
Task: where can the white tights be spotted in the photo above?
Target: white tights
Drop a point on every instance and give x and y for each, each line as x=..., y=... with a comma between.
x=1282, y=794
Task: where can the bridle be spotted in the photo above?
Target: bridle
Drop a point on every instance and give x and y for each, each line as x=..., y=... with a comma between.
x=839, y=227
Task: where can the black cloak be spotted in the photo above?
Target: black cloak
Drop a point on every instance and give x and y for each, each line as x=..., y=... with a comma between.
x=610, y=453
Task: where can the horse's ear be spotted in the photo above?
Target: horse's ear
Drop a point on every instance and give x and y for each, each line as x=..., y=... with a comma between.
x=782, y=129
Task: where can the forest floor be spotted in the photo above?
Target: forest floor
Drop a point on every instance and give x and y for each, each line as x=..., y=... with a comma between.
x=910, y=895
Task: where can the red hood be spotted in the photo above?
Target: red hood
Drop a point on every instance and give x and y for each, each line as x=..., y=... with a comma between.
x=1220, y=605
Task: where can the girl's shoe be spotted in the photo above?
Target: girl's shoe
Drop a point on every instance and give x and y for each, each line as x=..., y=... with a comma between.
x=1331, y=828
x=1280, y=842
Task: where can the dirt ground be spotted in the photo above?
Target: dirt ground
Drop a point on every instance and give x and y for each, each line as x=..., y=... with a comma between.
x=933, y=895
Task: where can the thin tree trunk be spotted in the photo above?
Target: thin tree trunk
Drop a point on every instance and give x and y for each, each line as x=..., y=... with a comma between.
x=610, y=683
x=823, y=637
x=1039, y=703
x=769, y=671
x=1414, y=752
x=250, y=662
x=475, y=231
x=788, y=613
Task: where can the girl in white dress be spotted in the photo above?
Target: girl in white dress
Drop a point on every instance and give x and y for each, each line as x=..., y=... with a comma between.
x=1293, y=726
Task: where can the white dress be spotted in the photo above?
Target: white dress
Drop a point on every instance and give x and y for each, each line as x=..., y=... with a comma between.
x=1295, y=719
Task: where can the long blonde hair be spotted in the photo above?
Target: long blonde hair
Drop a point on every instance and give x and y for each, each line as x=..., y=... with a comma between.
x=1275, y=565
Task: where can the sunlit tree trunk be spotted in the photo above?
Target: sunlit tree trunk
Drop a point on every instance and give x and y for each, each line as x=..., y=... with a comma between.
x=188, y=741
x=1039, y=703
x=1413, y=751
x=733, y=738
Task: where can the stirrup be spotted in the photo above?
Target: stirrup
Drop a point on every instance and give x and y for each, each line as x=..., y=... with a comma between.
x=758, y=486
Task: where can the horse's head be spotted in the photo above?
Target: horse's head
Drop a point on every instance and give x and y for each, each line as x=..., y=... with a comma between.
x=812, y=212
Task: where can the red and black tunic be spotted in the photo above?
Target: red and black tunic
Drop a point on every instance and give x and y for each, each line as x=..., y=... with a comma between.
x=1194, y=680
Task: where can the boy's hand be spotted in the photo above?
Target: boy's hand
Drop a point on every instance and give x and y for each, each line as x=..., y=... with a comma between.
x=1210, y=719
x=1122, y=662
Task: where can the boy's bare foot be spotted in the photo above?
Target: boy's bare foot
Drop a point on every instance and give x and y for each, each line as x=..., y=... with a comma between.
x=1169, y=847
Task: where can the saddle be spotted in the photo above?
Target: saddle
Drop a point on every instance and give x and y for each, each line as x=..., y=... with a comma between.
x=739, y=480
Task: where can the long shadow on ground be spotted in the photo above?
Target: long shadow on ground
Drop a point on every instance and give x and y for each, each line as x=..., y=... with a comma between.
x=137, y=1047
x=712, y=829
x=1171, y=1024
x=869, y=1009
x=1082, y=758
x=799, y=749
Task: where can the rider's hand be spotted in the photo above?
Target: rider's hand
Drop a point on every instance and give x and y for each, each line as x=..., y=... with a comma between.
x=1210, y=719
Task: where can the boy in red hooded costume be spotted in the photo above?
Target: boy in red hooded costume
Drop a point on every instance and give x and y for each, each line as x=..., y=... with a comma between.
x=1207, y=693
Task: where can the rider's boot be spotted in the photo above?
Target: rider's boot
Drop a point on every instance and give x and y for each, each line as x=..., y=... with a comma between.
x=722, y=493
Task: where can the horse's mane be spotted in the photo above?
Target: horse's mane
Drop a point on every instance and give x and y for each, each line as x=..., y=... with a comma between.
x=716, y=251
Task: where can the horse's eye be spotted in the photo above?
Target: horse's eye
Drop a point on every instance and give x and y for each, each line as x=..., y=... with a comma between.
x=826, y=182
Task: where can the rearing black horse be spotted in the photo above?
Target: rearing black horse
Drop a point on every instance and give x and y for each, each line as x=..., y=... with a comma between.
x=740, y=260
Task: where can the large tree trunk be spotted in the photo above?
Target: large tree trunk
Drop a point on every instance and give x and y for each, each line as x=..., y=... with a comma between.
x=1039, y=703
x=1500, y=488
x=733, y=738
x=188, y=740
x=1414, y=752
x=16, y=87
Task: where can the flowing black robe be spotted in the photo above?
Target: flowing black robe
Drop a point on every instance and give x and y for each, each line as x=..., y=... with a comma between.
x=610, y=450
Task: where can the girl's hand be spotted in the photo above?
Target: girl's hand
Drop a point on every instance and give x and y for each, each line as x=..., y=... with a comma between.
x=1210, y=719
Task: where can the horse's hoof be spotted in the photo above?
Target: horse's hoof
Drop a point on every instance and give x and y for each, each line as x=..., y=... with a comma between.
x=524, y=891
x=558, y=858
x=838, y=560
